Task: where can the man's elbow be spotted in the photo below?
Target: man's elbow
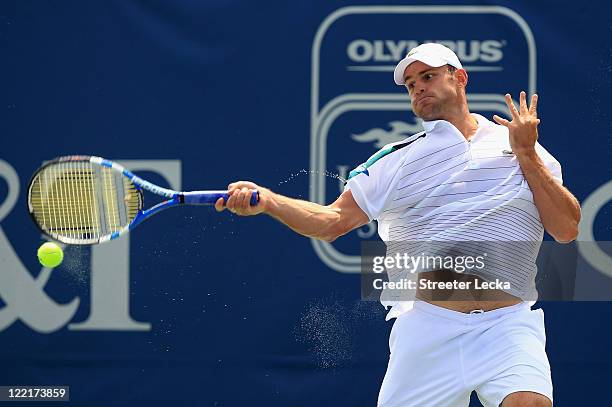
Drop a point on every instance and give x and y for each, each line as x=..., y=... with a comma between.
x=568, y=234
x=344, y=218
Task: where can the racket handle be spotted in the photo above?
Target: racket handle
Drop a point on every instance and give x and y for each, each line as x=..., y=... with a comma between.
x=210, y=197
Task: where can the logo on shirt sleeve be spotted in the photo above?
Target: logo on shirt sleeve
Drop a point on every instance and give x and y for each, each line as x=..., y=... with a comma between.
x=362, y=169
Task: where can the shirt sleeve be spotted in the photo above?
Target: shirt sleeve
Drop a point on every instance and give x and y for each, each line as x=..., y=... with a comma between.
x=373, y=182
x=550, y=162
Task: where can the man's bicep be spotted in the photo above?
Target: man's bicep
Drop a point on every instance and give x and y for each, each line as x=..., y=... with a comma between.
x=351, y=215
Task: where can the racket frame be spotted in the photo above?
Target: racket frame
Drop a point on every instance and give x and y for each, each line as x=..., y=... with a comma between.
x=174, y=198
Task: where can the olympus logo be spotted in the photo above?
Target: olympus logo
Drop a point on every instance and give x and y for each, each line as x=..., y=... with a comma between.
x=367, y=95
x=363, y=51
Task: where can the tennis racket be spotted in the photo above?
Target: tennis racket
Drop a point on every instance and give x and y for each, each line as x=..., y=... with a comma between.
x=89, y=200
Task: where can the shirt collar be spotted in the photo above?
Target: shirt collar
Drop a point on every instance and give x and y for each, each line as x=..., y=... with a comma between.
x=429, y=126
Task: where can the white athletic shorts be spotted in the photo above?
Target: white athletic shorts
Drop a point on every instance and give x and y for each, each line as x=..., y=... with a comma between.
x=438, y=357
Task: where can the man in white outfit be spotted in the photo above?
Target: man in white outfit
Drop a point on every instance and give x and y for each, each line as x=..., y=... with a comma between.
x=464, y=178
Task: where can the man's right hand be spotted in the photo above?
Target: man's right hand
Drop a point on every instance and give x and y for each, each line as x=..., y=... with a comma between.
x=240, y=196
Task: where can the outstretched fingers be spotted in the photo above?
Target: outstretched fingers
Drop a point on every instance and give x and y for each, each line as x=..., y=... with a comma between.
x=523, y=103
x=534, y=105
x=523, y=112
x=513, y=112
x=501, y=120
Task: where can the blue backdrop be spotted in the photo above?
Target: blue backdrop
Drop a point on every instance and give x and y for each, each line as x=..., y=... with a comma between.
x=199, y=308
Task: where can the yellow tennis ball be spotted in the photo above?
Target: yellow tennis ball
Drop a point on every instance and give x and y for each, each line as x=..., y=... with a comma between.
x=50, y=255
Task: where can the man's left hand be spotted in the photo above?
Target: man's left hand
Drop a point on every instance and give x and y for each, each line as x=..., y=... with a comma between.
x=524, y=125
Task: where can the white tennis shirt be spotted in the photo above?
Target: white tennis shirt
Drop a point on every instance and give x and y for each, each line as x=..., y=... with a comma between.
x=437, y=186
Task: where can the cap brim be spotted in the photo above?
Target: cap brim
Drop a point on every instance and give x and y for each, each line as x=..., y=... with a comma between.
x=398, y=73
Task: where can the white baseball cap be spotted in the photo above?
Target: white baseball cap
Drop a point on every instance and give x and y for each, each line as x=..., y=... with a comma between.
x=432, y=54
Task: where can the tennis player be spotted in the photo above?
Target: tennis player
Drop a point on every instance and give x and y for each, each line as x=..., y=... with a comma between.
x=464, y=178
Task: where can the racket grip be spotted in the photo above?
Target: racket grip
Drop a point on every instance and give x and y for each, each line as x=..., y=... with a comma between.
x=210, y=197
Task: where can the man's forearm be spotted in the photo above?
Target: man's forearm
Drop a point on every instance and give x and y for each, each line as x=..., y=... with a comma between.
x=306, y=218
x=325, y=222
x=559, y=210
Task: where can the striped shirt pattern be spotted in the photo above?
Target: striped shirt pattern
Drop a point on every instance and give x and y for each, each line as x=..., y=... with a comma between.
x=437, y=186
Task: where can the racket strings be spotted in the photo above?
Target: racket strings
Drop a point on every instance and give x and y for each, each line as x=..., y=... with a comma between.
x=133, y=199
x=82, y=201
x=110, y=200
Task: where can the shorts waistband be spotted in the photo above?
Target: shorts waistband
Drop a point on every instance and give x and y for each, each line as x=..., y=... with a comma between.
x=468, y=318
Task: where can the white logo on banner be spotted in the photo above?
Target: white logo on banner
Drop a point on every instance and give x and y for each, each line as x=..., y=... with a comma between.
x=590, y=251
x=366, y=55
x=398, y=131
x=369, y=56
x=364, y=51
x=24, y=296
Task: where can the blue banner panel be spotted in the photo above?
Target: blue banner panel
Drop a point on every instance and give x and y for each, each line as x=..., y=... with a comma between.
x=195, y=307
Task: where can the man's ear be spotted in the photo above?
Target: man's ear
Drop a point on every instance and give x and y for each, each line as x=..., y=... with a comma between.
x=462, y=77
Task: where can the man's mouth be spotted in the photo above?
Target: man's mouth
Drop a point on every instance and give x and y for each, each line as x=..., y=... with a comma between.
x=420, y=101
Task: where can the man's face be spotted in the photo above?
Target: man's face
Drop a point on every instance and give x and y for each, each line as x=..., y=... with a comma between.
x=431, y=90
